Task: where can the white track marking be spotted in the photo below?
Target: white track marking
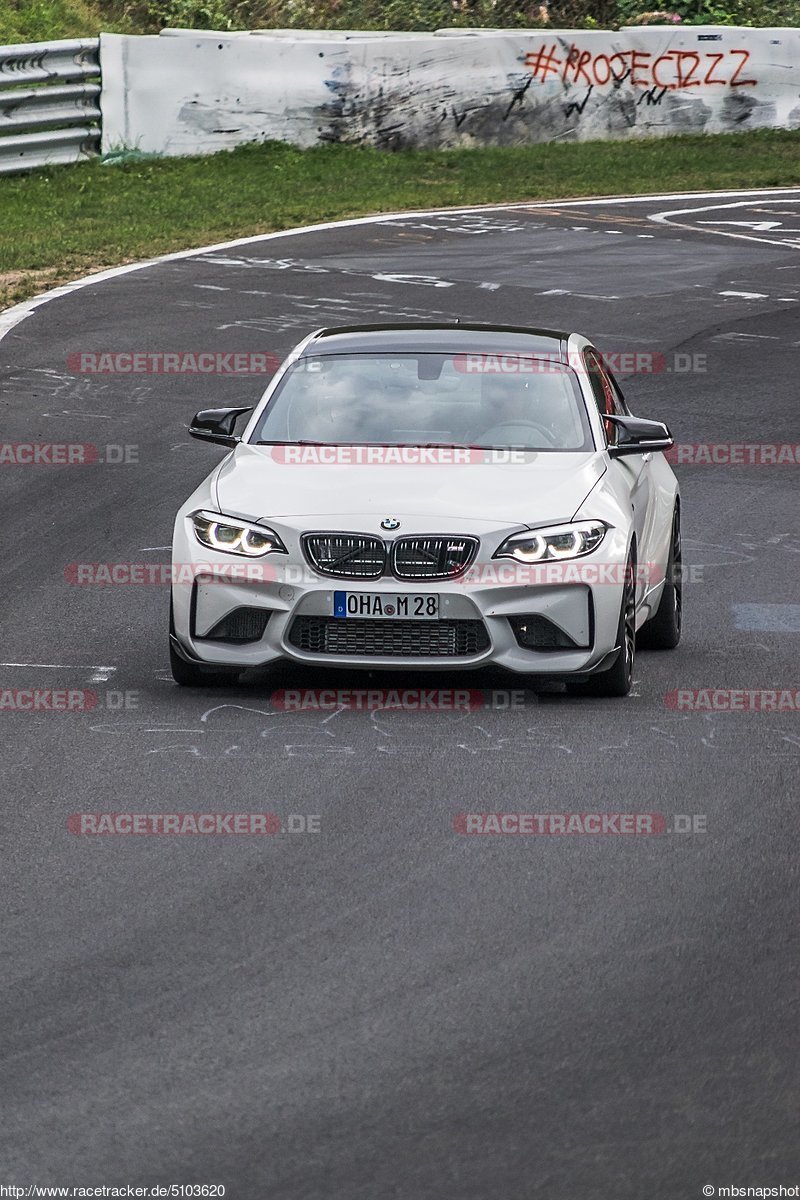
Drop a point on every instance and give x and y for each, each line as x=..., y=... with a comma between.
x=746, y=295
x=756, y=225
x=18, y=312
x=98, y=674
x=664, y=218
x=58, y=666
x=735, y=337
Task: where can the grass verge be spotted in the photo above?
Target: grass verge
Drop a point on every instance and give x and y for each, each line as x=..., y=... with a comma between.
x=60, y=223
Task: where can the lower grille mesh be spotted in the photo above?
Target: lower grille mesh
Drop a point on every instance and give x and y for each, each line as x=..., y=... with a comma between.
x=241, y=625
x=537, y=633
x=389, y=639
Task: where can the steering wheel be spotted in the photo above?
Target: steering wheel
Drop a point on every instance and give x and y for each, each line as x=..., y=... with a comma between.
x=496, y=431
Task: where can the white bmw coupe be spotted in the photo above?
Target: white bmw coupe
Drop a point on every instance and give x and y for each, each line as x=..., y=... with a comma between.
x=431, y=496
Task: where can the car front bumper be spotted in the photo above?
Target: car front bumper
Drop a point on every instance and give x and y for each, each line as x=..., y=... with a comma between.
x=587, y=613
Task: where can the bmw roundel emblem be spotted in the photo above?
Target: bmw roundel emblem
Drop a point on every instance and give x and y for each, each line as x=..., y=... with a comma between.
x=390, y=523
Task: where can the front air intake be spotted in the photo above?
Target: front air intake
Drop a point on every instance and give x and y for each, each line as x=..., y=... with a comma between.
x=389, y=639
x=535, y=632
x=240, y=625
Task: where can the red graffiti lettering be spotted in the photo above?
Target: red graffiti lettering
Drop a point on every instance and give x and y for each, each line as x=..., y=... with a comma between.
x=735, y=80
x=640, y=61
x=639, y=68
x=715, y=58
x=623, y=55
x=543, y=62
x=660, y=82
x=601, y=58
x=685, y=81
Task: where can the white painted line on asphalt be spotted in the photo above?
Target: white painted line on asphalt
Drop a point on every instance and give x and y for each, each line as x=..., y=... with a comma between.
x=663, y=218
x=18, y=312
x=758, y=337
x=59, y=666
x=757, y=225
x=98, y=674
x=746, y=295
x=67, y=412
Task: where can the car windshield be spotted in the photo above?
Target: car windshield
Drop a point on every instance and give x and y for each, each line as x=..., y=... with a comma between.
x=491, y=401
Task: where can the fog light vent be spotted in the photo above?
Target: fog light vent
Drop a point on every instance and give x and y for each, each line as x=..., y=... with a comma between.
x=537, y=633
x=241, y=625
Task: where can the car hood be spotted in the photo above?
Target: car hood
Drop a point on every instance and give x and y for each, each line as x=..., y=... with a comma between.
x=548, y=487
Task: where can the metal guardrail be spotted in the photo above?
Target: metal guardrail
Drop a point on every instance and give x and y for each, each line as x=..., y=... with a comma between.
x=49, y=103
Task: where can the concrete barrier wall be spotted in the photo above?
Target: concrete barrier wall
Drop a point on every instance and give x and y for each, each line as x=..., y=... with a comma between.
x=190, y=93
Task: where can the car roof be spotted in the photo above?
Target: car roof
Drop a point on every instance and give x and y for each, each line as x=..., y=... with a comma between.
x=446, y=338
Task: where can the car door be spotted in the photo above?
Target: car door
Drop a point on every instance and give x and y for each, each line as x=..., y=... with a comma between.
x=634, y=470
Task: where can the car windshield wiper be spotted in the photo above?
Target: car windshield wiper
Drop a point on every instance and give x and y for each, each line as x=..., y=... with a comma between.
x=445, y=445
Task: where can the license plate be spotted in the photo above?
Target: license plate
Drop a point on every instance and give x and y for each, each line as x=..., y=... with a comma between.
x=389, y=605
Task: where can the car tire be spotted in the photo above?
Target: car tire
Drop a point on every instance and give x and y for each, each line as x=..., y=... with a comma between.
x=617, y=680
x=663, y=630
x=189, y=674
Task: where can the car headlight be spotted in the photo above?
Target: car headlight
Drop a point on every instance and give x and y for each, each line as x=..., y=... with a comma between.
x=559, y=541
x=234, y=536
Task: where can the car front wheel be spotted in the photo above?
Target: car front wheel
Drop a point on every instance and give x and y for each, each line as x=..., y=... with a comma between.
x=663, y=630
x=617, y=680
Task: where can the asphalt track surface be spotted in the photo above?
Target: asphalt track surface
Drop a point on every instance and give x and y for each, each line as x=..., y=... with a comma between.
x=390, y=1008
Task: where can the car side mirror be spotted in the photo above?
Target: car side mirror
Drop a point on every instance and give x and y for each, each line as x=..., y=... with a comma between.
x=637, y=436
x=216, y=425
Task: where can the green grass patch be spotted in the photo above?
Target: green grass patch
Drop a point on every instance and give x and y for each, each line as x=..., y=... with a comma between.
x=63, y=222
x=46, y=20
